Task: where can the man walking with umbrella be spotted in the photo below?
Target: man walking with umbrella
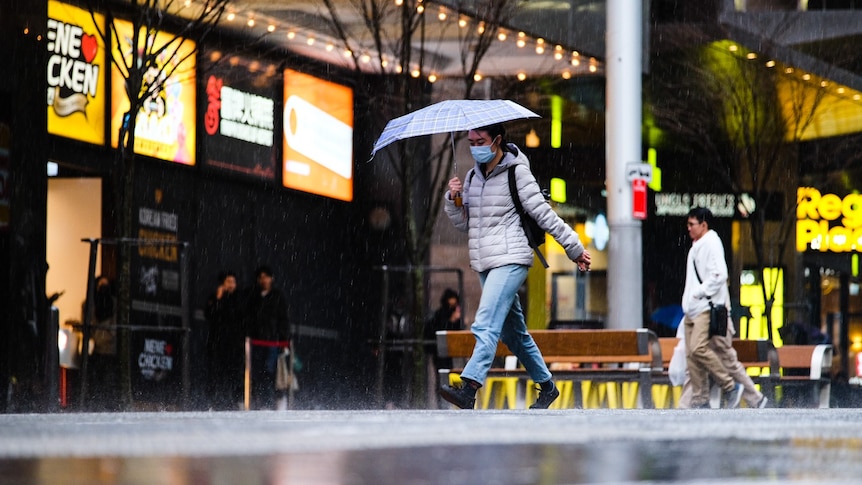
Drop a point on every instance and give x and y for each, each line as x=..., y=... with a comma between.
x=501, y=254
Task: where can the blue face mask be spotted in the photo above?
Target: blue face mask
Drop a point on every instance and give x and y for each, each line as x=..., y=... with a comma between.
x=482, y=154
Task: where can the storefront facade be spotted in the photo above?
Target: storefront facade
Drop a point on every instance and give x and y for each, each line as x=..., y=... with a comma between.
x=243, y=160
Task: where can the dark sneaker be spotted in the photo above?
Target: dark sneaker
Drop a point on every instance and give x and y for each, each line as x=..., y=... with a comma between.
x=702, y=406
x=460, y=396
x=546, y=397
x=732, y=397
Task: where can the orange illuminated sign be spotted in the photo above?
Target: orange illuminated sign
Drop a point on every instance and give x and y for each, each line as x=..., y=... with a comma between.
x=318, y=136
x=165, y=124
x=76, y=81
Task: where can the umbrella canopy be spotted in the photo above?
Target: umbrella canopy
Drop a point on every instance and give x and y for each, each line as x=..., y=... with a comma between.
x=451, y=115
x=669, y=316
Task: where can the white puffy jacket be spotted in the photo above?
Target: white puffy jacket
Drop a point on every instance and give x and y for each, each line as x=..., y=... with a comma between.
x=488, y=215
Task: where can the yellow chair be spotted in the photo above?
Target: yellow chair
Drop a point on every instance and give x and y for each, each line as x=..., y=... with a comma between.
x=598, y=395
x=506, y=392
x=666, y=396
x=662, y=396
x=567, y=396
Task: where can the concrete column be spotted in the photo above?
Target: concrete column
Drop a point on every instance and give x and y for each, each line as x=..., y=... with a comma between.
x=623, y=145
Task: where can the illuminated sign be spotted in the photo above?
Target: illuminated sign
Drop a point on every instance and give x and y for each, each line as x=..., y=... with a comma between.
x=721, y=205
x=676, y=204
x=165, y=123
x=827, y=222
x=76, y=86
x=318, y=136
x=242, y=116
x=239, y=116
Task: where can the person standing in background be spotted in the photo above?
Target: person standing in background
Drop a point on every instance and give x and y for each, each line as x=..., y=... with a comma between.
x=225, y=346
x=103, y=365
x=269, y=330
x=447, y=317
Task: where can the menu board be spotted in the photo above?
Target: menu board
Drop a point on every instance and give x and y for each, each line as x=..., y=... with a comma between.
x=76, y=80
x=318, y=136
x=165, y=123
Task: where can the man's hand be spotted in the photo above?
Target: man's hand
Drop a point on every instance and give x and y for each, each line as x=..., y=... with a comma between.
x=583, y=261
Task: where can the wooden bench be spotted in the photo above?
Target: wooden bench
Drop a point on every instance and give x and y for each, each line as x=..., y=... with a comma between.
x=590, y=355
x=815, y=362
x=665, y=394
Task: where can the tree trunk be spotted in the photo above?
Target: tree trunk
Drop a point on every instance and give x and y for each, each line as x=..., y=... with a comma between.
x=125, y=217
x=418, y=397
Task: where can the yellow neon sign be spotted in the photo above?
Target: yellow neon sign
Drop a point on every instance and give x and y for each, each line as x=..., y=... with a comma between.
x=816, y=214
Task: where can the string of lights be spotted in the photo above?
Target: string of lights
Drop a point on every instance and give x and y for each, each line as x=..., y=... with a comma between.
x=561, y=61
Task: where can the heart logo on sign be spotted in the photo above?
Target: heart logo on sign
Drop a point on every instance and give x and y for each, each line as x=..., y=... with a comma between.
x=89, y=47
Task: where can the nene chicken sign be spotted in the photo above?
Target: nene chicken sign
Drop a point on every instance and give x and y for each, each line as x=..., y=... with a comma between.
x=828, y=222
x=76, y=82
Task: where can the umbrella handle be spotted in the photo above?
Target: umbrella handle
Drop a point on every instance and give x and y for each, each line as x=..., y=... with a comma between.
x=459, y=202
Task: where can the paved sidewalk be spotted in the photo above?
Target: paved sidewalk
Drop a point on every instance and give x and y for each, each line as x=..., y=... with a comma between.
x=435, y=447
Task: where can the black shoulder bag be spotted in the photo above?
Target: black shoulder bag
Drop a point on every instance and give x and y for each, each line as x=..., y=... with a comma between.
x=717, y=313
x=535, y=234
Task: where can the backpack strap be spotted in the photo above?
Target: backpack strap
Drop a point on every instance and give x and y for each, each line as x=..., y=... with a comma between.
x=516, y=199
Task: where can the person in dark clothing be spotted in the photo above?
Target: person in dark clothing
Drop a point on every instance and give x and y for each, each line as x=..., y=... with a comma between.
x=103, y=365
x=269, y=330
x=225, y=346
x=447, y=317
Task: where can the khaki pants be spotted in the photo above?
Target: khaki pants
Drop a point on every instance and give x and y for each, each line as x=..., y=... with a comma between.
x=723, y=348
x=702, y=361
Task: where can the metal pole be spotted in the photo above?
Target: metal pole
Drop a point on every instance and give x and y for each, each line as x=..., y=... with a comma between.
x=52, y=360
x=246, y=395
x=186, y=323
x=843, y=323
x=291, y=362
x=88, y=316
x=381, y=341
x=623, y=145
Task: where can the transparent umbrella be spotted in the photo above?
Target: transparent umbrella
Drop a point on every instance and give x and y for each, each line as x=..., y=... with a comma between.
x=450, y=116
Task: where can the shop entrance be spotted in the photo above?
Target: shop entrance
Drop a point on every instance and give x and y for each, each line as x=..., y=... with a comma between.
x=833, y=289
x=74, y=212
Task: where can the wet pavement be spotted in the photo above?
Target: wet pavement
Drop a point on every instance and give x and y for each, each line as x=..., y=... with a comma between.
x=435, y=447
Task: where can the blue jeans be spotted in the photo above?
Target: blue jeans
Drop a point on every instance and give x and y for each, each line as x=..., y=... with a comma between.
x=263, y=366
x=500, y=317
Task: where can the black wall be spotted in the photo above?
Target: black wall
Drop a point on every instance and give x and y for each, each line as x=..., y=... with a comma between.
x=23, y=318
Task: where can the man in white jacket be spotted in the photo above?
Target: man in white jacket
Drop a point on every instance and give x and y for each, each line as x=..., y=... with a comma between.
x=705, y=283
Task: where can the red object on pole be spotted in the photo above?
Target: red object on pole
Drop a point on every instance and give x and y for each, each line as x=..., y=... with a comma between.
x=639, y=199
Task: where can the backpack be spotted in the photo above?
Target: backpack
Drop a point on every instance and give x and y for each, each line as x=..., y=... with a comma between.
x=535, y=234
